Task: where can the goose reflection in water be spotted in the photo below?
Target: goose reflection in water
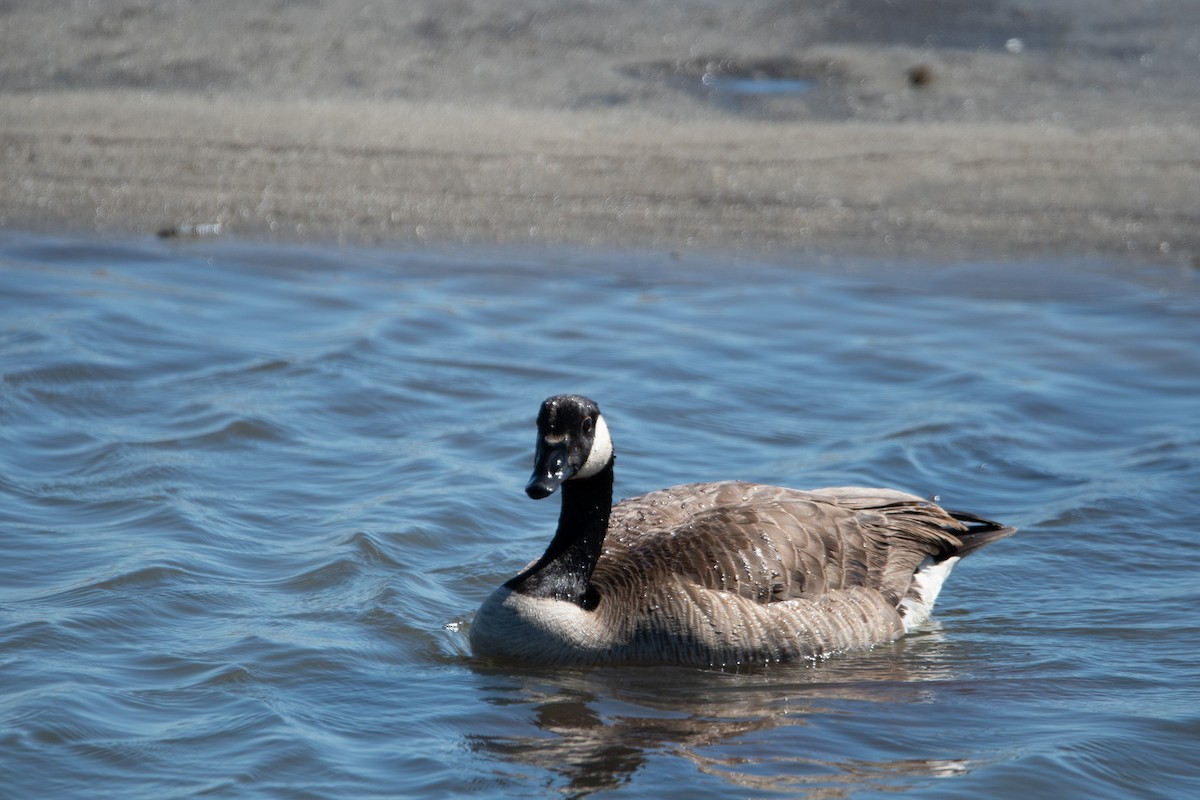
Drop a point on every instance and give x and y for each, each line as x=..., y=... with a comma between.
x=597, y=727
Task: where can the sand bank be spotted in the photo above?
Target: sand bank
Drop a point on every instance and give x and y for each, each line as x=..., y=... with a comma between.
x=1002, y=133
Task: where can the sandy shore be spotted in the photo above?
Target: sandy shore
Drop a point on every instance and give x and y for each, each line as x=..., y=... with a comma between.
x=986, y=130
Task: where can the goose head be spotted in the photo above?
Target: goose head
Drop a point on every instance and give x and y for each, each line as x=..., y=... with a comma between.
x=573, y=443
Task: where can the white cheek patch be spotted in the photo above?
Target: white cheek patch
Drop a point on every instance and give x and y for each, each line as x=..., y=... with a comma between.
x=601, y=454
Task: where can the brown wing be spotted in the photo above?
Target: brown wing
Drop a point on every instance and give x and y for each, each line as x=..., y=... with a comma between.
x=770, y=544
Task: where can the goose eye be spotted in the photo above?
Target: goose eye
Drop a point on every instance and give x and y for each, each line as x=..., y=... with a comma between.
x=587, y=425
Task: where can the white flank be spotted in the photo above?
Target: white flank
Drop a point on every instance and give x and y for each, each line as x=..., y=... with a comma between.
x=927, y=581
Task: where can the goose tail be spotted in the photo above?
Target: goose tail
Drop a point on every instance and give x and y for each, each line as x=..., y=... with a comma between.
x=917, y=604
x=978, y=532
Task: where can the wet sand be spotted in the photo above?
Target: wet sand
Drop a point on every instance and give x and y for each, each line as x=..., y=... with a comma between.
x=970, y=130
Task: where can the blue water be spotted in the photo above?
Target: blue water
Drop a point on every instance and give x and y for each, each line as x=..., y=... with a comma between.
x=757, y=86
x=251, y=495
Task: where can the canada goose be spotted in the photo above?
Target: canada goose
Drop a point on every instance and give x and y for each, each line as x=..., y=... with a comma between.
x=714, y=574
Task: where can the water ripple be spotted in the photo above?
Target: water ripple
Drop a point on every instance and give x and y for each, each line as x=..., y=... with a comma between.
x=253, y=495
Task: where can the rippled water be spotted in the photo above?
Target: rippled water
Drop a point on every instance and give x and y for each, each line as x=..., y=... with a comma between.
x=252, y=495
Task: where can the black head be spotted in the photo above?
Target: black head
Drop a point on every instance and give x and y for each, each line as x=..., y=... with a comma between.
x=572, y=443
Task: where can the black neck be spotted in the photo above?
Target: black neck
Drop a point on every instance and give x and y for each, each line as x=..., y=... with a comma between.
x=565, y=569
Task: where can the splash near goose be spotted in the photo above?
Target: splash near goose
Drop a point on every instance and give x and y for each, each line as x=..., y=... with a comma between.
x=714, y=574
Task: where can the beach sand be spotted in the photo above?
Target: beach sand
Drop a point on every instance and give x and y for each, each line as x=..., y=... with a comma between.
x=980, y=130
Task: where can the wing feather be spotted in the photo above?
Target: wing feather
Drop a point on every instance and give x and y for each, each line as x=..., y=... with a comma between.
x=772, y=544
